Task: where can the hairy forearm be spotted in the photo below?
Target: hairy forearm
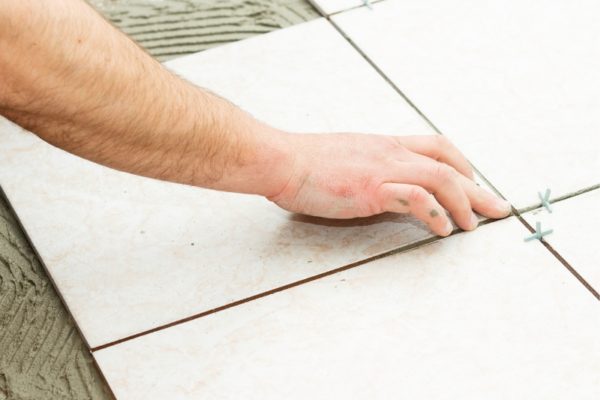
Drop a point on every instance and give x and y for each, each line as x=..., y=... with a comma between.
x=69, y=76
x=80, y=84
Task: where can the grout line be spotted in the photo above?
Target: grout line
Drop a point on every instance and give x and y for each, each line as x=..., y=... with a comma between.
x=324, y=274
x=410, y=103
x=397, y=89
x=355, y=264
x=364, y=261
x=490, y=184
x=514, y=212
x=561, y=198
x=383, y=75
x=300, y=282
x=559, y=257
x=260, y=295
x=346, y=9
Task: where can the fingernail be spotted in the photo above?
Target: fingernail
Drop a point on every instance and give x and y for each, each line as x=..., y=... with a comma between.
x=474, y=221
x=448, y=228
x=503, y=206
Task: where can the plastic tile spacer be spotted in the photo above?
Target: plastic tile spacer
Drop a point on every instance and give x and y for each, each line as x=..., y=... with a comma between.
x=545, y=199
x=539, y=234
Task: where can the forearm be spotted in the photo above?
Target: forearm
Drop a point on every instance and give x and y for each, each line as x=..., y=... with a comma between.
x=69, y=76
x=80, y=84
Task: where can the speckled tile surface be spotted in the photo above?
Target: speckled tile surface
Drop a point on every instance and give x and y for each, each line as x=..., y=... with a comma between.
x=514, y=84
x=42, y=355
x=129, y=254
x=477, y=315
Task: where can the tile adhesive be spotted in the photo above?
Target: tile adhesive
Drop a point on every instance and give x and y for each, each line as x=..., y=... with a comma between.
x=42, y=355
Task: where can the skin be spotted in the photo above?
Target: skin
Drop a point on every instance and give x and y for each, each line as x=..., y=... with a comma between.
x=80, y=84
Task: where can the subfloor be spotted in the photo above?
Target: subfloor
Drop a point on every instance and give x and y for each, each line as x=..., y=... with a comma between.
x=42, y=355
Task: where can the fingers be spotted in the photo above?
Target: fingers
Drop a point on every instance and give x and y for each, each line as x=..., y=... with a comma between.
x=442, y=181
x=482, y=201
x=403, y=198
x=439, y=148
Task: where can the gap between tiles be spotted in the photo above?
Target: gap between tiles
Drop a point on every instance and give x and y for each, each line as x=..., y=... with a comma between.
x=337, y=270
x=344, y=268
x=232, y=304
x=226, y=306
x=515, y=212
x=557, y=255
x=293, y=284
x=382, y=74
x=284, y=287
x=346, y=9
x=560, y=198
x=397, y=90
x=341, y=269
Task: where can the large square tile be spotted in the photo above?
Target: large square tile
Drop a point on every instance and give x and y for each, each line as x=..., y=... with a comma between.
x=514, y=84
x=575, y=223
x=480, y=315
x=129, y=254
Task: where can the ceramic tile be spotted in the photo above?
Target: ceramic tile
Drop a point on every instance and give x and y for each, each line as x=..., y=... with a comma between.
x=514, y=84
x=129, y=253
x=575, y=222
x=328, y=7
x=477, y=315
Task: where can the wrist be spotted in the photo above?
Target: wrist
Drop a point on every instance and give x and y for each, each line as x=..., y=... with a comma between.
x=252, y=157
x=276, y=161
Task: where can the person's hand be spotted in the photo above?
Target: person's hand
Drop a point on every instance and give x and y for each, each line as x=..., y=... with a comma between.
x=358, y=175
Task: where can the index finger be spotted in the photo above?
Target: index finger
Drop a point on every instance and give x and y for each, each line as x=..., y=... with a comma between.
x=439, y=148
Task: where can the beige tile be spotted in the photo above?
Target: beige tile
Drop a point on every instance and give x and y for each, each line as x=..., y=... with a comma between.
x=514, y=84
x=129, y=254
x=478, y=315
x=575, y=223
x=304, y=78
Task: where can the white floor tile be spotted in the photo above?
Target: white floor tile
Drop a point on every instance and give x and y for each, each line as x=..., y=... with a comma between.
x=514, y=84
x=481, y=315
x=328, y=7
x=575, y=222
x=129, y=254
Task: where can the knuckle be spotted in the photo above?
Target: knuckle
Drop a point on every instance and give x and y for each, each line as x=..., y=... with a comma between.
x=402, y=150
x=442, y=141
x=417, y=195
x=444, y=173
x=400, y=153
x=393, y=144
